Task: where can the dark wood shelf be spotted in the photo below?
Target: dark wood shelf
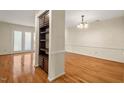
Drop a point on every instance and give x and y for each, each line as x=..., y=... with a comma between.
x=44, y=32
x=44, y=41
x=44, y=26
x=43, y=60
x=44, y=49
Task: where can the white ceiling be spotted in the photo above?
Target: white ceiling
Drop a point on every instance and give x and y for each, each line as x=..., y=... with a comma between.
x=22, y=17
x=73, y=17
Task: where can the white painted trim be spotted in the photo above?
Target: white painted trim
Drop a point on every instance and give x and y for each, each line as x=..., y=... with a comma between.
x=22, y=51
x=36, y=65
x=53, y=78
x=16, y=52
x=56, y=52
x=6, y=53
x=112, y=48
x=76, y=52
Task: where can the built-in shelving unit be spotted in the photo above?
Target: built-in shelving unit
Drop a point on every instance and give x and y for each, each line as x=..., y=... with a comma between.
x=50, y=42
x=44, y=40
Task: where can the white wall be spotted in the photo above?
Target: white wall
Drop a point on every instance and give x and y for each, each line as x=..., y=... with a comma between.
x=104, y=39
x=57, y=44
x=6, y=36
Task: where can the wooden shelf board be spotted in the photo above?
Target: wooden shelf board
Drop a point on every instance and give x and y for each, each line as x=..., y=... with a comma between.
x=44, y=32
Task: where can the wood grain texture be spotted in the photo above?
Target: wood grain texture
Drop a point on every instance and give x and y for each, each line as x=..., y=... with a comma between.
x=19, y=68
x=80, y=68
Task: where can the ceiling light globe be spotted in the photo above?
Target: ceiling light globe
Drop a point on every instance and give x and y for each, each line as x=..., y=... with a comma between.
x=86, y=25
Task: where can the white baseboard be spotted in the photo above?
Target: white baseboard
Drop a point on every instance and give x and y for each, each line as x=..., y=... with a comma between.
x=6, y=53
x=53, y=78
x=10, y=53
x=97, y=56
x=22, y=52
x=36, y=65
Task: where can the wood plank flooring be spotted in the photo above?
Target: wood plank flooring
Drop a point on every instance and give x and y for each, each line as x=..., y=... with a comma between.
x=19, y=68
x=80, y=68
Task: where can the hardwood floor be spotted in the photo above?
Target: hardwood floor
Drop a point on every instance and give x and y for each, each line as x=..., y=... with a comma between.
x=80, y=68
x=19, y=68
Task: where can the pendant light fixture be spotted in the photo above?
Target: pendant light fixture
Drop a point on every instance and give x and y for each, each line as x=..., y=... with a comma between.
x=83, y=24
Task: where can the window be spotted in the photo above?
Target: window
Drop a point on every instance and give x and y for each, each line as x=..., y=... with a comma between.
x=17, y=41
x=28, y=40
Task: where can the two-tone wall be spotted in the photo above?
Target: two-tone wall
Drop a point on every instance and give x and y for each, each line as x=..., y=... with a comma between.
x=6, y=36
x=104, y=39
